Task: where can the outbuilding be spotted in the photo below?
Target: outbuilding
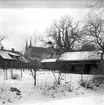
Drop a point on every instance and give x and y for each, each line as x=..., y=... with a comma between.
x=79, y=62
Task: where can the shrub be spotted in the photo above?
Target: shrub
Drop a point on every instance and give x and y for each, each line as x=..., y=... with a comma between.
x=9, y=94
x=53, y=91
x=95, y=81
x=98, y=80
x=56, y=90
x=87, y=84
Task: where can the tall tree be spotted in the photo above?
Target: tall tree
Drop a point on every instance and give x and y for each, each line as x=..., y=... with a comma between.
x=94, y=28
x=1, y=39
x=97, y=6
x=64, y=33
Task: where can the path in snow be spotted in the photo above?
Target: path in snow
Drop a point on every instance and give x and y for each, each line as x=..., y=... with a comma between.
x=91, y=100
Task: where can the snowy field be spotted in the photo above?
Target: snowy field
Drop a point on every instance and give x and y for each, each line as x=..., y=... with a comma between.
x=21, y=91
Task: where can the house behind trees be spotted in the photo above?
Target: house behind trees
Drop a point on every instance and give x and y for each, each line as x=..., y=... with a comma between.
x=39, y=52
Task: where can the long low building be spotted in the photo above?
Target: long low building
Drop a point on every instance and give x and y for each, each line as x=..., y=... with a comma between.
x=12, y=59
x=82, y=62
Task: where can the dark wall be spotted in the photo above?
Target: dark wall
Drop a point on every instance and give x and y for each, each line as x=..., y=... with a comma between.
x=71, y=67
x=5, y=64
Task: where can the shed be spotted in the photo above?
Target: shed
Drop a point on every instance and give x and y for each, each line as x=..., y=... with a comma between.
x=11, y=59
x=81, y=62
x=80, y=56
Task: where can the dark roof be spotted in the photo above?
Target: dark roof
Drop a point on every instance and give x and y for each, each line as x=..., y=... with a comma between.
x=40, y=50
x=81, y=55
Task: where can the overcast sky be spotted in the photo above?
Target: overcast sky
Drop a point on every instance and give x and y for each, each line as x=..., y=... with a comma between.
x=18, y=19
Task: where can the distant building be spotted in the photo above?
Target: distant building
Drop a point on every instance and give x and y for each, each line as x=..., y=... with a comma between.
x=40, y=52
x=11, y=58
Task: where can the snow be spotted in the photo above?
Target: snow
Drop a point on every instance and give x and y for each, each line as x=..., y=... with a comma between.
x=11, y=53
x=92, y=100
x=23, y=59
x=45, y=94
x=84, y=55
x=5, y=55
x=48, y=60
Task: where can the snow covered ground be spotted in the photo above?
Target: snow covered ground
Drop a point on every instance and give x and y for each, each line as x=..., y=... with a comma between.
x=46, y=93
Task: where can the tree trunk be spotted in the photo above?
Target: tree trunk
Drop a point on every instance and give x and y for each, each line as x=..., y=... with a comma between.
x=101, y=56
x=21, y=73
x=34, y=81
x=101, y=63
x=59, y=79
x=34, y=77
x=11, y=72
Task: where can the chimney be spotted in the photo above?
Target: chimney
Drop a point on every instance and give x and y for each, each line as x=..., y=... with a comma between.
x=12, y=49
x=2, y=48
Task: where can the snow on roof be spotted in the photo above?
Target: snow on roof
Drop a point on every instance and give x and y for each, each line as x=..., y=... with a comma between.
x=5, y=55
x=84, y=55
x=14, y=54
x=48, y=60
x=23, y=59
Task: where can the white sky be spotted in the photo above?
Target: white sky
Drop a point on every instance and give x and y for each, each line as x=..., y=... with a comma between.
x=19, y=23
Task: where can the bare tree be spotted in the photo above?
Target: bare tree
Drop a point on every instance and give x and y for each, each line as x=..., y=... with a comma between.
x=94, y=28
x=98, y=6
x=1, y=39
x=34, y=66
x=34, y=60
x=64, y=33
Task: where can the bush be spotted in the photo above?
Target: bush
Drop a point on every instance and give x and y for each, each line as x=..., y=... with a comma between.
x=95, y=81
x=9, y=94
x=87, y=84
x=53, y=91
x=56, y=90
x=15, y=76
x=98, y=80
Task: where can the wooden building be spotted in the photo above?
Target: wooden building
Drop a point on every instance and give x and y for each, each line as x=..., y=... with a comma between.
x=82, y=62
x=11, y=59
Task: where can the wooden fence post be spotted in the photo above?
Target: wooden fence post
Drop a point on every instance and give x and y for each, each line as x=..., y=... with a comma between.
x=21, y=72
x=6, y=70
x=11, y=70
x=82, y=68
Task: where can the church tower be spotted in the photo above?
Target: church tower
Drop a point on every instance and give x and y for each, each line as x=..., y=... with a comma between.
x=30, y=42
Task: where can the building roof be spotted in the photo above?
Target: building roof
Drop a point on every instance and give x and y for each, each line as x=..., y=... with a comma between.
x=14, y=54
x=5, y=55
x=48, y=60
x=81, y=55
